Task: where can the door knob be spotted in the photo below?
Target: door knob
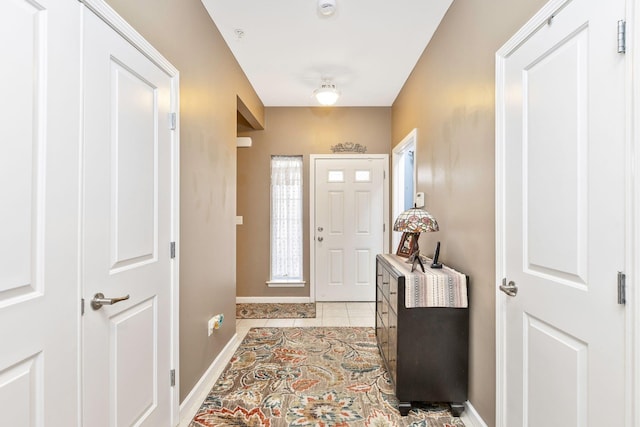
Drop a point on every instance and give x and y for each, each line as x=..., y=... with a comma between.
x=510, y=289
x=99, y=300
x=320, y=229
x=320, y=239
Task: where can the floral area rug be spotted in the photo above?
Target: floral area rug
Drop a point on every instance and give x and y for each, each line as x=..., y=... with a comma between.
x=275, y=311
x=310, y=377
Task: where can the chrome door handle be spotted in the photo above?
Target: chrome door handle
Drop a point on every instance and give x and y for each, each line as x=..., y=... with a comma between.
x=99, y=300
x=510, y=289
x=320, y=239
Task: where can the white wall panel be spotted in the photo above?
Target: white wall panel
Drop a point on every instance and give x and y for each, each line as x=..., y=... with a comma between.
x=556, y=198
x=135, y=372
x=336, y=212
x=134, y=167
x=363, y=212
x=21, y=393
x=23, y=128
x=557, y=376
x=363, y=267
x=336, y=267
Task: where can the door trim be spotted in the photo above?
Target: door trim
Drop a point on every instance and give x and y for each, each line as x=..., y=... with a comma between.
x=632, y=210
x=408, y=142
x=312, y=207
x=115, y=21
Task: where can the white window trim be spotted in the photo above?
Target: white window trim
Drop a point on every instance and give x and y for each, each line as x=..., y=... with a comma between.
x=286, y=284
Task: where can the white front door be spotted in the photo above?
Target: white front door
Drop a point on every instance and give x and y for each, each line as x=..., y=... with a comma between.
x=126, y=233
x=564, y=219
x=348, y=227
x=40, y=122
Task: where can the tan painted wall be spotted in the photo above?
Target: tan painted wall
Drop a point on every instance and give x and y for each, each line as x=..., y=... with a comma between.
x=291, y=131
x=449, y=98
x=210, y=82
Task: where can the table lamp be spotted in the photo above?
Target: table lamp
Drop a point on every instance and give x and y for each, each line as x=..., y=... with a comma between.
x=411, y=223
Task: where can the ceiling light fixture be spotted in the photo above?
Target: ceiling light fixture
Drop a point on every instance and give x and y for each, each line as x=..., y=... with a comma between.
x=327, y=94
x=327, y=7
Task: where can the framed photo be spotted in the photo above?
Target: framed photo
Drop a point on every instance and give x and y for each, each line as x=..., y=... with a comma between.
x=407, y=244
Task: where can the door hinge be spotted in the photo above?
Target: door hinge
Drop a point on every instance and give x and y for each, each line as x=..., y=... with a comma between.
x=622, y=288
x=384, y=175
x=384, y=227
x=173, y=249
x=81, y=306
x=622, y=36
x=173, y=377
x=172, y=121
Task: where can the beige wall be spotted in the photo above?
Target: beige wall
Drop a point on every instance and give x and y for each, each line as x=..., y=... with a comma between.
x=449, y=98
x=291, y=131
x=210, y=82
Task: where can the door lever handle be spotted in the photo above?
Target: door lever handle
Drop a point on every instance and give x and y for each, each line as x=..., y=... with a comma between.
x=511, y=289
x=99, y=300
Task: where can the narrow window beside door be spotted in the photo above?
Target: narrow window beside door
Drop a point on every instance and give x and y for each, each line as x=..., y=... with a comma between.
x=286, y=221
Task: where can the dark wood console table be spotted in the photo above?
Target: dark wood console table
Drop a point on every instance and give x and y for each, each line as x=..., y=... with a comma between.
x=425, y=349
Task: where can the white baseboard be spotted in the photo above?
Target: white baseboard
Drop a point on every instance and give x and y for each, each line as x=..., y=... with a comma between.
x=189, y=407
x=470, y=416
x=255, y=300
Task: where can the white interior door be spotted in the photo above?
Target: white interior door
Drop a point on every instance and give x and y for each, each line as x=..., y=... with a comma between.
x=126, y=233
x=564, y=220
x=348, y=227
x=39, y=118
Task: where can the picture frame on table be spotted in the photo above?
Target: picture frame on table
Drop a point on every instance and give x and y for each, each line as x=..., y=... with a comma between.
x=407, y=245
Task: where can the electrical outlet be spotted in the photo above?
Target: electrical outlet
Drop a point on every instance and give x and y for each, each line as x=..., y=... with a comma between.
x=214, y=323
x=210, y=326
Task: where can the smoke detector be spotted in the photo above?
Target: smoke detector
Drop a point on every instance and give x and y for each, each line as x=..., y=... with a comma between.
x=327, y=7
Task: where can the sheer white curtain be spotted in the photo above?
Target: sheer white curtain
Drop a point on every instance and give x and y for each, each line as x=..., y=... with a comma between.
x=286, y=218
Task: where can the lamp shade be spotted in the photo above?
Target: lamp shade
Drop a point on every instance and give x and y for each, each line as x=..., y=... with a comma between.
x=415, y=220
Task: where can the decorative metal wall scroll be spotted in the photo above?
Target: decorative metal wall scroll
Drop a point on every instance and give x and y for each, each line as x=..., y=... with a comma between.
x=349, y=147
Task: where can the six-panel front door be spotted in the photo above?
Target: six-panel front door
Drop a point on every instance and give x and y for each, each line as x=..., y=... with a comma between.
x=126, y=233
x=349, y=220
x=564, y=226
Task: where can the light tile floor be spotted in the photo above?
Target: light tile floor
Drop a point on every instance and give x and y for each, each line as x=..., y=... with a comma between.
x=327, y=314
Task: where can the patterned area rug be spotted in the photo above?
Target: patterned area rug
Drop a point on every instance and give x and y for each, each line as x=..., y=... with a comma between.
x=275, y=311
x=310, y=377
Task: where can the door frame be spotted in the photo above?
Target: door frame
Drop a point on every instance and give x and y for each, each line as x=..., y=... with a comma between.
x=115, y=21
x=632, y=210
x=408, y=143
x=312, y=208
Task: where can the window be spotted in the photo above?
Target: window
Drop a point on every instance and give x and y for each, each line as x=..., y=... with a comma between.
x=286, y=220
x=335, y=176
x=363, y=176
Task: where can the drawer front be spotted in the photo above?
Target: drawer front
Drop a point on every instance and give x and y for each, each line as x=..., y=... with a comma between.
x=385, y=283
x=379, y=299
x=393, y=293
x=382, y=335
x=392, y=346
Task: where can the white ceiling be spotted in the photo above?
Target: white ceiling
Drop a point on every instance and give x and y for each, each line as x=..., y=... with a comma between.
x=367, y=48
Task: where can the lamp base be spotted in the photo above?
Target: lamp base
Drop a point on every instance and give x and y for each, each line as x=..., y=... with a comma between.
x=414, y=259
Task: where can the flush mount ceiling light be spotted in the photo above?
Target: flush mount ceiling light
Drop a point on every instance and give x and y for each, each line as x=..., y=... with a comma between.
x=327, y=94
x=327, y=7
